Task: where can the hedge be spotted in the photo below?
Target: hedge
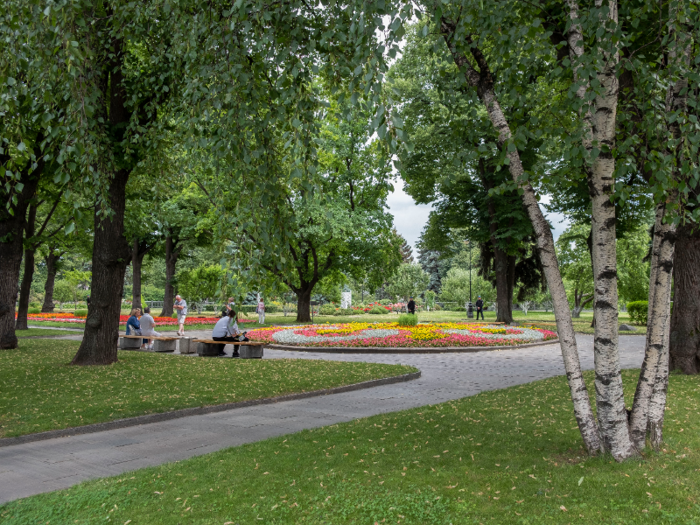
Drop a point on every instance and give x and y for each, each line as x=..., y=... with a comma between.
x=638, y=311
x=408, y=320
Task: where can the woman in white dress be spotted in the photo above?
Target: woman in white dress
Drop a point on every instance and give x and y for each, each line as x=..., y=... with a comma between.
x=148, y=327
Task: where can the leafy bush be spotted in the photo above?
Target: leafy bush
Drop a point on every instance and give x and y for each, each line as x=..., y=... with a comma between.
x=34, y=304
x=327, y=309
x=378, y=310
x=638, y=311
x=34, y=310
x=272, y=308
x=408, y=320
x=81, y=313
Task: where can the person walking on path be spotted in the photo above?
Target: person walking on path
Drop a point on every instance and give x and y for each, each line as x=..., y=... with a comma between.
x=181, y=307
x=479, y=308
x=226, y=329
x=148, y=325
x=261, y=311
x=411, y=306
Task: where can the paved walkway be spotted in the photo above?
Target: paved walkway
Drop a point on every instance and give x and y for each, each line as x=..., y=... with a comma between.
x=60, y=463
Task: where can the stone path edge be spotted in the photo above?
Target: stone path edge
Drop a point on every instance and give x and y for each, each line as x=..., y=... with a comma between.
x=405, y=350
x=196, y=411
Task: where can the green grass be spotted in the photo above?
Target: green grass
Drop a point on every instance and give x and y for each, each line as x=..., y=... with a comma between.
x=581, y=325
x=39, y=391
x=33, y=332
x=507, y=456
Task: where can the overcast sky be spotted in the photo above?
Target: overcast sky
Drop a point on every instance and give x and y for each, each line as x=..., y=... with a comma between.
x=410, y=218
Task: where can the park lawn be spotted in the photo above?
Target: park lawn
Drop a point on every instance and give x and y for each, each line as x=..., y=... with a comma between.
x=539, y=319
x=506, y=456
x=39, y=391
x=34, y=332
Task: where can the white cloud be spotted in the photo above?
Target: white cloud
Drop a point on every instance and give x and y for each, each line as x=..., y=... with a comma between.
x=410, y=218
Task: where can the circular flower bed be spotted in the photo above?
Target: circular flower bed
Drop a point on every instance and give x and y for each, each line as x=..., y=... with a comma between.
x=383, y=335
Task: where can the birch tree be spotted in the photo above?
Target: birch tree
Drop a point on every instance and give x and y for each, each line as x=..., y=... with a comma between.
x=464, y=46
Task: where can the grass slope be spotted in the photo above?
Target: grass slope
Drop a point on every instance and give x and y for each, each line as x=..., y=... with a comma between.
x=39, y=391
x=507, y=456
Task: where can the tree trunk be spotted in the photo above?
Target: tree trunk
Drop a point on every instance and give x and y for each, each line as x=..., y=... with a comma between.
x=51, y=262
x=483, y=82
x=26, y=287
x=504, y=265
x=110, y=256
x=504, y=292
x=656, y=351
x=304, y=303
x=11, y=236
x=598, y=122
x=171, y=254
x=685, y=320
x=137, y=256
x=25, y=290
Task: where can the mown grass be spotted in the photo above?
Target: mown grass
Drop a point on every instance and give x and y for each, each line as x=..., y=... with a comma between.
x=34, y=332
x=581, y=325
x=39, y=391
x=507, y=456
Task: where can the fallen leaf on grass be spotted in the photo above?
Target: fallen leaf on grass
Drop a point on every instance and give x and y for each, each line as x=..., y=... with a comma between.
x=563, y=508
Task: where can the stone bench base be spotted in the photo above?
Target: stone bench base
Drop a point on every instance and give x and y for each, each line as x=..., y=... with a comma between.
x=246, y=351
x=160, y=344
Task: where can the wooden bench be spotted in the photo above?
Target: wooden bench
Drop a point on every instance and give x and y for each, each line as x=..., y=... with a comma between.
x=162, y=344
x=248, y=349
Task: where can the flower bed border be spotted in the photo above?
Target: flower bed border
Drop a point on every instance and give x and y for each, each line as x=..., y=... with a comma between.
x=402, y=350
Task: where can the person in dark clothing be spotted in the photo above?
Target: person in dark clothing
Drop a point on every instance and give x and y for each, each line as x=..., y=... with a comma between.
x=479, y=308
x=411, y=306
x=226, y=329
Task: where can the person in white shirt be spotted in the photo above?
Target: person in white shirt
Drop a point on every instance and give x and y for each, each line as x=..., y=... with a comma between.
x=181, y=307
x=147, y=327
x=261, y=312
x=226, y=329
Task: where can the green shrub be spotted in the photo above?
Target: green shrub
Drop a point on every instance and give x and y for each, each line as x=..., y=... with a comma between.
x=408, y=320
x=327, y=309
x=638, y=311
x=272, y=309
x=81, y=313
x=34, y=304
x=34, y=310
x=378, y=310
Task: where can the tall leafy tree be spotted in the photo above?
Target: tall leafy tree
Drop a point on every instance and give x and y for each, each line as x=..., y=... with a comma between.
x=328, y=220
x=450, y=167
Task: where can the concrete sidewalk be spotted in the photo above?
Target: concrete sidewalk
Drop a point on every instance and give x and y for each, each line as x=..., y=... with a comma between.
x=59, y=463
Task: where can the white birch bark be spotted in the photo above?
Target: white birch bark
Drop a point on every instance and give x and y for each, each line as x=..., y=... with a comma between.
x=483, y=82
x=654, y=373
x=676, y=101
x=599, y=123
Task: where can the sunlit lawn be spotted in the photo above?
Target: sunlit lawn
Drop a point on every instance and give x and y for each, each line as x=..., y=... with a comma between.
x=507, y=456
x=39, y=391
x=43, y=332
x=581, y=325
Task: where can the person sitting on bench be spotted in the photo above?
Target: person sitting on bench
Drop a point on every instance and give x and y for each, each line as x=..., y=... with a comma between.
x=133, y=325
x=226, y=329
x=147, y=327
